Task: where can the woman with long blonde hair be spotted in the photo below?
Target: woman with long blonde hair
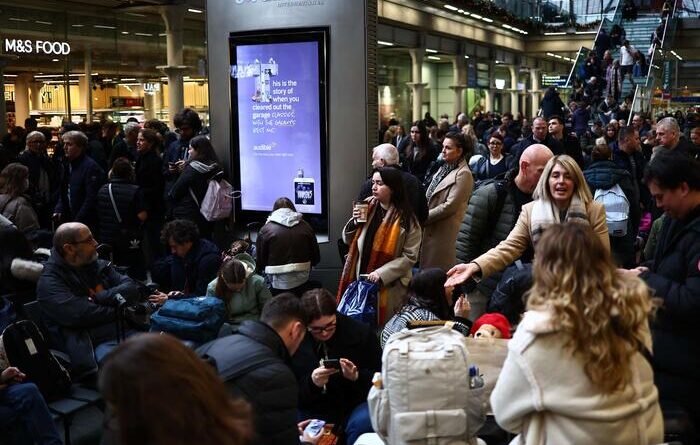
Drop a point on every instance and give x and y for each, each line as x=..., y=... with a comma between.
x=561, y=196
x=578, y=368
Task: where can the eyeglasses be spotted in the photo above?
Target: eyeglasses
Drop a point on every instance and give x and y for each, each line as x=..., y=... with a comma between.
x=90, y=239
x=321, y=329
x=495, y=143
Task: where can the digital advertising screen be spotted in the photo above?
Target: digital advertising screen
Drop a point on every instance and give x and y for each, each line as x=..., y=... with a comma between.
x=279, y=119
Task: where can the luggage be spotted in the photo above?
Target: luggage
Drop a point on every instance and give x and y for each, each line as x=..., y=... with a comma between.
x=425, y=396
x=26, y=349
x=196, y=319
x=359, y=302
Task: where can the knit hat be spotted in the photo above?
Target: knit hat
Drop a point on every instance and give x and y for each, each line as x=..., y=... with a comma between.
x=499, y=321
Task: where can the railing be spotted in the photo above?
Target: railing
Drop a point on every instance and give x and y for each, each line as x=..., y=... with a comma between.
x=610, y=17
x=643, y=94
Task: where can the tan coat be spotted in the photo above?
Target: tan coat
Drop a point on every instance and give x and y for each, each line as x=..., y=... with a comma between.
x=396, y=274
x=446, y=209
x=511, y=248
x=543, y=394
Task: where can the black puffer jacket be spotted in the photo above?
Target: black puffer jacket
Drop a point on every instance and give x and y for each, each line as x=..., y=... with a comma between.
x=269, y=386
x=480, y=230
x=352, y=340
x=606, y=174
x=129, y=201
x=674, y=276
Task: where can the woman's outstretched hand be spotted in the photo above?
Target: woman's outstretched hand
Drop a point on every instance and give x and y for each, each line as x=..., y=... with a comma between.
x=461, y=273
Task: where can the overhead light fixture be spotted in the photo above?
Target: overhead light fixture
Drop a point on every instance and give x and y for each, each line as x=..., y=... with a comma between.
x=196, y=11
x=135, y=14
x=162, y=34
x=557, y=56
x=431, y=51
x=55, y=60
x=466, y=57
x=40, y=22
x=128, y=79
x=486, y=19
x=382, y=42
x=586, y=32
x=143, y=34
x=126, y=33
x=77, y=25
x=433, y=58
x=104, y=27
x=550, y=54
x=15, y=75
x=451, y=8
x=477, y=16
x=562, y=33
x=15, y=19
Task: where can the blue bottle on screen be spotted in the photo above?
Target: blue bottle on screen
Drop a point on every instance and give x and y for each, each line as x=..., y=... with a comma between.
x=303, y=189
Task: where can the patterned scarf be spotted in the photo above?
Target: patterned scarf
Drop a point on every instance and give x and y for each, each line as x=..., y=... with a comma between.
x=439, y=175
x=545, y=213
x=383, y=250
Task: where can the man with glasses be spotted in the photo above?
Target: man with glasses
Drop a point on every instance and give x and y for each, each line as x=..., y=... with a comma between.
x=77, y=295
x=188, y=125
x=539, y=135
x=43, y=180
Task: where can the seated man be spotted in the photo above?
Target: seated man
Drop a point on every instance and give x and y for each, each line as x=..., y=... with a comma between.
x=193, y=262
x=24, y=416
x=76, y=293
x=254, y=363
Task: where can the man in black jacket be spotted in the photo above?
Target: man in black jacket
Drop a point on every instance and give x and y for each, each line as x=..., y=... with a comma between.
x=77, y=294
x=254, y=363
x=570, y=144
x=386, y=155
x=674, y=277
x=539, y=136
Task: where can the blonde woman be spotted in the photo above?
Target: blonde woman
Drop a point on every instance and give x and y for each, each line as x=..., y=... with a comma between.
x=578, y=369
x=561, y=195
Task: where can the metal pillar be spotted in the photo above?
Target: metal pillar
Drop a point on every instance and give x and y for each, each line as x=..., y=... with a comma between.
x=173, y=16
x=22, y=97
x=416, y=84
x=459, y=78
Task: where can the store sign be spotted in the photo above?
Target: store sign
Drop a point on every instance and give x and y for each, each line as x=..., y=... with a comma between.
x=125, y=102
x=41, y=47
x=151, y=87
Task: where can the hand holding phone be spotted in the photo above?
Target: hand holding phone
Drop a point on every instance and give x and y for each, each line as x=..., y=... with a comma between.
x=332, y=363
x=314, y=427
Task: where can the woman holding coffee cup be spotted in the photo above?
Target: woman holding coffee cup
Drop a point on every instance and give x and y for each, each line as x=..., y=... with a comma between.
x=385, y=246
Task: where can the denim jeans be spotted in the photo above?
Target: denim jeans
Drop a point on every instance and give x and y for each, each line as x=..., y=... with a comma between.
x=23, y=411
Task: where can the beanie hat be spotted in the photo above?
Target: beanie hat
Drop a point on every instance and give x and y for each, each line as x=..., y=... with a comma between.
x=499, y=321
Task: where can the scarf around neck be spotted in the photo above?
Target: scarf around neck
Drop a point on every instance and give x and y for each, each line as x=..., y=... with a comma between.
x=545, y=213
x=439, y=175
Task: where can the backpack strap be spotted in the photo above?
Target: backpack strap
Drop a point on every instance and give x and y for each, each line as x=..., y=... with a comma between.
x=114, y=204
x=196, y=201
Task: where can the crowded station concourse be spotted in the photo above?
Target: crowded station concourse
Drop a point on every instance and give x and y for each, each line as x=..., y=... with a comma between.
x=513, y=267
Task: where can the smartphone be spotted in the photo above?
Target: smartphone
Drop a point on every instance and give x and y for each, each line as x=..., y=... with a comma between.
x=331, y=363
x=314, y=427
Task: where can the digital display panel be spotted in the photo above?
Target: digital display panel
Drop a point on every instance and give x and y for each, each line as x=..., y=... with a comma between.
x=279, y=119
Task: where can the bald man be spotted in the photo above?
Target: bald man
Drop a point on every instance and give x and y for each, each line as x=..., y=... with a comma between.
x=493, y=210
x=77, y=295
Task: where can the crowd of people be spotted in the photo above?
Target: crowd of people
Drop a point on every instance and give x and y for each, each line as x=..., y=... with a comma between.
x=594, y=219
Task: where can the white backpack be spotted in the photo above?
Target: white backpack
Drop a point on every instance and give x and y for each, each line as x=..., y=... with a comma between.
x=425, y=398
x=617, y=209
x=218, y=201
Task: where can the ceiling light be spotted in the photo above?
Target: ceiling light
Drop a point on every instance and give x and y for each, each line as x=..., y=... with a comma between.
x=451, y=8
x=128, y=79
x=15, y=75
x=42, y=22
x=162, y=34
x=431, y=51
x=557, y=56
x=486, y=19
x=15, y=19
x=54, y=60
x=104, y=27
x=433, y=58
x=586, y=32
x=555, y=33
x=77, y=25
x=382, y=42
x=476, y=16
x=466, y=57
x=126, y=33
x=550, y=54
x=143, y=34
x=135, y=14
x=196, y=11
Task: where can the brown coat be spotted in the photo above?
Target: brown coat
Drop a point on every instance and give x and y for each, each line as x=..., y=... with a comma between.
x=396, y=274
x=510, y=249
x=446, y=209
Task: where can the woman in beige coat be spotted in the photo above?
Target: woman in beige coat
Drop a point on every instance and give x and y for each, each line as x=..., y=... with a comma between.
x=448, y=194
x=561, y=196
x=386, y=246
x=578, y=367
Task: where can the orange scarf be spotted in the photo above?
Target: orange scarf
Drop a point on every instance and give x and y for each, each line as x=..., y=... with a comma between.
x=383, y=250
